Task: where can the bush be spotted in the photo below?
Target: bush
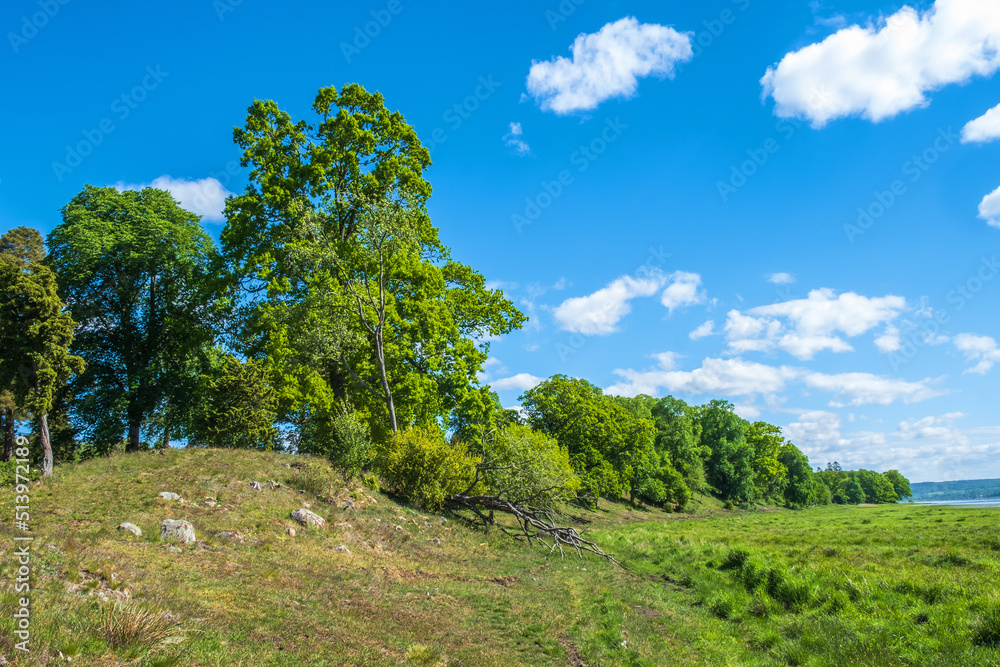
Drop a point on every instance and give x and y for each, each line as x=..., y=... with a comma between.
x=128, y=625
x=340, y=436
x=421, y=467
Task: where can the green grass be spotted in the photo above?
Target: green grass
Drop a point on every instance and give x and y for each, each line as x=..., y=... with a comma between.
x=899, y=585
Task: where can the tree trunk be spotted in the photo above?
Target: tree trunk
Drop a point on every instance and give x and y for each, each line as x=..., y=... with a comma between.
x=9, y=428
x=133, y=437
x=43, y=431
x=166, y=434
x=380, y=356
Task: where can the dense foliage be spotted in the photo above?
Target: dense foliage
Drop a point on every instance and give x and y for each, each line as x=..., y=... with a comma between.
x=333, y=321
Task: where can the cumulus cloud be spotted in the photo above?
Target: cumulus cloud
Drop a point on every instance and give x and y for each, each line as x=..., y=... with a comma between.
x=515, y=140
x=205, y=197
x=989, y=208
x=884, y=69
x=890, y=341
x=607, y=64
x=736, y=377
x=983, y=129
x=599, y=313
x=933, y=427
x=520, y=382
x=981, y=349
x=804, y=327
x=704, y=331
x=682, y=290
x=718, y=377
x=869, y=389
x=781, y=278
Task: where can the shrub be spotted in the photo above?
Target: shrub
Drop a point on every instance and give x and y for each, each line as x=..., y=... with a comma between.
x=340, y=436
x=421, y=467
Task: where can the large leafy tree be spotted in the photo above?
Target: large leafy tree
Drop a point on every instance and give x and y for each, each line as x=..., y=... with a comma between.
x=136, y=272
x=900, y=484
x=607, y=442
x=21, y=246
x=678, y=436
x=35, y=335
x=729, y=468
x=769, y=474
x=344, y=284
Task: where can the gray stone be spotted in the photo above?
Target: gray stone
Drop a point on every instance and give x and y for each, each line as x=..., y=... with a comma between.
x=130, y=528
x=167, y=495
x=177, y=531
x=255, y=486
x=230, y=536
x=344, y=549
x=310, y=519
x=348, y=504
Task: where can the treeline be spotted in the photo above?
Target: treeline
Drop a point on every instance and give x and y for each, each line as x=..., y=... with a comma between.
x=331, y=320
x=966, y=489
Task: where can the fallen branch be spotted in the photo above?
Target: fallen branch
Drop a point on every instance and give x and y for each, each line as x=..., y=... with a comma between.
x=534, y=524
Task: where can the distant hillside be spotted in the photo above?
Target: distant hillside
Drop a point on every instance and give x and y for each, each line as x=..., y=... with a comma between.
x=966, y=489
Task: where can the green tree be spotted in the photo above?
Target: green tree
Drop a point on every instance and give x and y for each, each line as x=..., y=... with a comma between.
x=729, y=468
x=609, y=445
x=770, y=475
x=236, y=406
x=35, y=334
x=21, y=246
x=678, y=435
x=344, y=284
x=900, y=484
x=800, y=490
x=136, y=272
x=342, y=437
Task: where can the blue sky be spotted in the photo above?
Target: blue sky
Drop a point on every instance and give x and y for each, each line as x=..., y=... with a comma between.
x=817, y=180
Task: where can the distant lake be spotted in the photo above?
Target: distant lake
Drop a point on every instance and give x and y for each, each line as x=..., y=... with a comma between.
x=985, y=502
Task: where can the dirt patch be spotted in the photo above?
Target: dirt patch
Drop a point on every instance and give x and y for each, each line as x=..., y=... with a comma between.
x=573, y=654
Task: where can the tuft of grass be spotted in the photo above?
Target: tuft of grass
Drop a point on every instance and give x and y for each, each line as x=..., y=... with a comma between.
x=126, y=625
x=421, y=654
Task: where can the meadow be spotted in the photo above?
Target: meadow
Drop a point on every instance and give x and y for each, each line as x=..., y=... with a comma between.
x=882, y=586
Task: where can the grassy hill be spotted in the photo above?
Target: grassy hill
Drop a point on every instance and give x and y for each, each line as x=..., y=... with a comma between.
x=886, y=586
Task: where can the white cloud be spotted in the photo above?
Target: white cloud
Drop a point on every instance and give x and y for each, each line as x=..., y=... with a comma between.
x=599, y=313
x=869, y=389
x=205, y=197
x=816, y=428
x=933, y=427
x=879, y=71
x=781, y=278
x=803, y=327
x=718, y=377
x=515, y=140
x=682, y=291
x=607, y=64
x=983, y=129
x=520, y=382
x=989, y=208
x=704, y=331
x=978, y=348
x=890, y=341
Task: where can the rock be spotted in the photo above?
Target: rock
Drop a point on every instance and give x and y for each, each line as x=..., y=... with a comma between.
x=130, y=528
x=231, y=536
x=400, y=528
x=291, y=532
x=307, y=518
x=436, y=540
x=348, y=504
x=167, y=495
x=255, y=486
x=441, y=519
x=177, y=531
x=343, y=548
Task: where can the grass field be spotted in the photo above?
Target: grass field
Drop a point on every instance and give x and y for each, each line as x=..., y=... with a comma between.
x=894, y=585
